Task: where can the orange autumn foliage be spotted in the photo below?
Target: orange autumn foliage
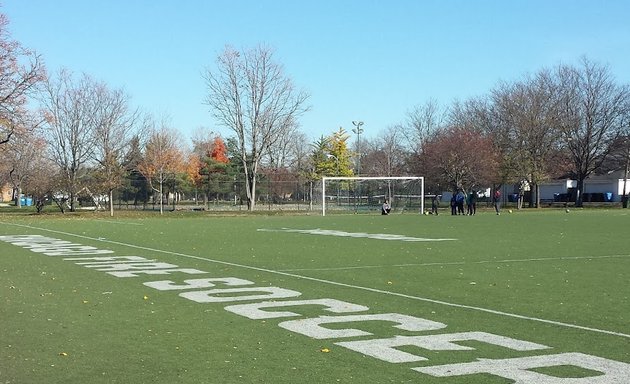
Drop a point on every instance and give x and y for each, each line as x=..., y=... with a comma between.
x=219, y=151
x=193, y=169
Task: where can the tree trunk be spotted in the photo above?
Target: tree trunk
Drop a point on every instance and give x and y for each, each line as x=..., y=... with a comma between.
x=251, y=193
x=18, y=195
x=250, y=186
x=579, y=191
x=111, y=203
x=161, y=200
x=310, y=203
x=72, y=201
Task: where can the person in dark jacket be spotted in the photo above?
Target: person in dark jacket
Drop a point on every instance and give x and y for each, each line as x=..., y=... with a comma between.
x=459, y=201
x=471, y=203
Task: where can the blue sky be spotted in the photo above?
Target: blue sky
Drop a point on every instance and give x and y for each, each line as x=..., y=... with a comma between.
x=360, y=60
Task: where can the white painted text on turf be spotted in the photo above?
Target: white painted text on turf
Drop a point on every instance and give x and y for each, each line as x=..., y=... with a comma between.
x=518, y=369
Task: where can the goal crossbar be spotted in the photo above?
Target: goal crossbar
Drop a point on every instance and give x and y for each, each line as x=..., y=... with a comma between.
x=360, y=178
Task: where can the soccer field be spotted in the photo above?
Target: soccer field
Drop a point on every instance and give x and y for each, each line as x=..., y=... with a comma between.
x=530, y=297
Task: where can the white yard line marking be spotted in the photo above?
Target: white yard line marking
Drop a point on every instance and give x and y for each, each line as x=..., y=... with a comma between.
x=507, y=261
x=330, y=232
x=330, y=282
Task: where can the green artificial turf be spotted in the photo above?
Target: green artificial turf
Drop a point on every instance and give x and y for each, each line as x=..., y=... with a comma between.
x=537, y=276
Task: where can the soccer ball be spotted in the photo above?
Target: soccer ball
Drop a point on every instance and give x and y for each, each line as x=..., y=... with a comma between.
x=426, y=212
x=568, y=210
x=510, y=211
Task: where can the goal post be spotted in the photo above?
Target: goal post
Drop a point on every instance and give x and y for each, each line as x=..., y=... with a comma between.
x=368, y=193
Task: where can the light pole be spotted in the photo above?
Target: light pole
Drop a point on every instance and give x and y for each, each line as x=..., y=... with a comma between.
x=358, y=130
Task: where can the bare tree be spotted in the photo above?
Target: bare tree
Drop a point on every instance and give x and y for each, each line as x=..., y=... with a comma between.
x=295, y=151
x=474, y=113
x=527, y=128
x=386, y=153
x=249, y=93
x=21, y=70
x=21, y=157
x=301, y=164
x=114, y=128
x=70, y=111
x=42, y=182
x=619, y=158
x=281, y=154
x=422, y=121
x=592, y=114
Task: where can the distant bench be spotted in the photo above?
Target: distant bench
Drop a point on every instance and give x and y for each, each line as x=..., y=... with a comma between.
x=553, y=203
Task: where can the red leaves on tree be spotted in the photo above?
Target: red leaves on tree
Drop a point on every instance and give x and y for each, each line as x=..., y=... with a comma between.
x=219, y=151
x=461, y=157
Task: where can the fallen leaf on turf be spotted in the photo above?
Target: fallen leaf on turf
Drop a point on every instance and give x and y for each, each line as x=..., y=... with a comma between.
x=85, y=301
x=146, y=297
x=63, y=354
x=325, y=350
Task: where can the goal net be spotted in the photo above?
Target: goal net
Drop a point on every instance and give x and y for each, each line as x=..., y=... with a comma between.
x=367, y=194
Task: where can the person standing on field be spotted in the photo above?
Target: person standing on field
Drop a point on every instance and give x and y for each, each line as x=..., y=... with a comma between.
x=459, y=201
x=435, y=203
x=496, y=200
x=471, y=203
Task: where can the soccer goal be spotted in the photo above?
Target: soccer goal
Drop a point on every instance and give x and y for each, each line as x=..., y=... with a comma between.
x=367, y=194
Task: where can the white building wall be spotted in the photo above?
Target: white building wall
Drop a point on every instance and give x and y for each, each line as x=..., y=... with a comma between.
x=602, y=186
x=620, y=188
x=614, y=186
x=550, y=188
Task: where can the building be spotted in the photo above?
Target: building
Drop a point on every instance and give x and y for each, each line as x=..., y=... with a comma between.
x=607, y=187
